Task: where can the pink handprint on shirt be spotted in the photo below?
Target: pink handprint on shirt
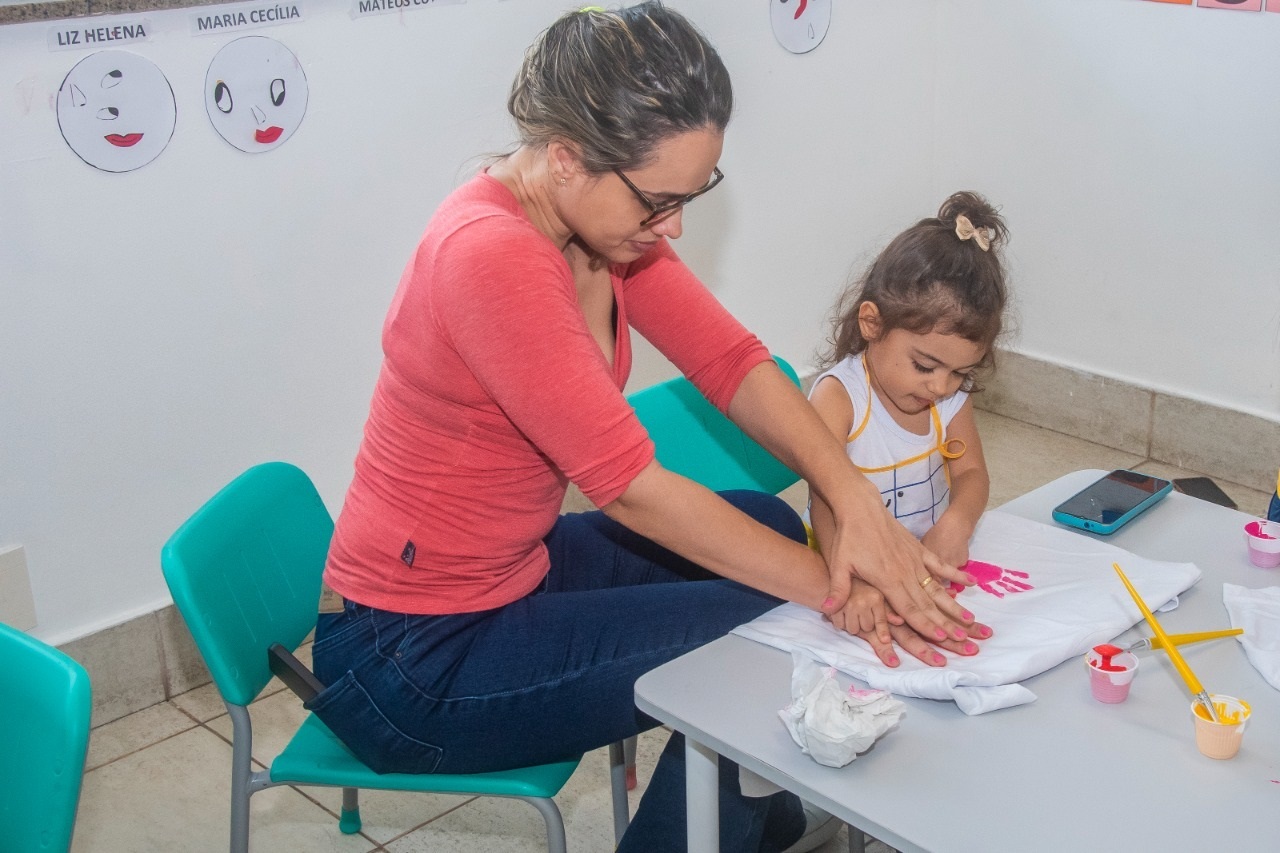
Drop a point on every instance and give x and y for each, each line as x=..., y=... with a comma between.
x=992, y=579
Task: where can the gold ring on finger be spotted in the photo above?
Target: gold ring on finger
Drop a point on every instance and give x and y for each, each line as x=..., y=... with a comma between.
x=924, y=584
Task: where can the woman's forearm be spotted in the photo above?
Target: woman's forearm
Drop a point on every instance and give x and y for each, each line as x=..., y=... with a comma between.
x=699, y=525
x=770, y=408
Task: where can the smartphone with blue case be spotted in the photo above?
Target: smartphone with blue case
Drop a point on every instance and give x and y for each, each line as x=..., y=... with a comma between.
x=1111, y=502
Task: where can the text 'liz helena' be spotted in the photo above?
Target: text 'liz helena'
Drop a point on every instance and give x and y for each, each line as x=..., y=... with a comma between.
x=102, y=35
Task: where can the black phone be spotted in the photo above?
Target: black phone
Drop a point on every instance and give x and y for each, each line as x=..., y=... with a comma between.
x=293, y=672
x=1112, y=501
x=1204, y=489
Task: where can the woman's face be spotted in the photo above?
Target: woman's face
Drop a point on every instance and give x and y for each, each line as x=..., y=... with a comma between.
x=606, y=214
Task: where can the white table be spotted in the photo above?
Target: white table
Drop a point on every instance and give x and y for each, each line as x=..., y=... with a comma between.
x=1063, y=773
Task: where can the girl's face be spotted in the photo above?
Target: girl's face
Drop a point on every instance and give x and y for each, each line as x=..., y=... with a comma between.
x=911, y=371
x=606, y=214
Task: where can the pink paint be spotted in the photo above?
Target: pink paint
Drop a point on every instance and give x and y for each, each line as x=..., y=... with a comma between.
x=993, y=579
x=1255, y=528
x=1263, y=541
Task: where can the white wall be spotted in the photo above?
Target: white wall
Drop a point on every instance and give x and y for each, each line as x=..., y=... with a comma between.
x=1133, y=145
x=163, y=329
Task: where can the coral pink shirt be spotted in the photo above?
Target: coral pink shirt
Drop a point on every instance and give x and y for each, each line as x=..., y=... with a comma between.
x=493, y=396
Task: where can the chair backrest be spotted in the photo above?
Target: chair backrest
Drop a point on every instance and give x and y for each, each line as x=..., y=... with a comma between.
x=45, y=707
x=695, y=440
x=244, y=572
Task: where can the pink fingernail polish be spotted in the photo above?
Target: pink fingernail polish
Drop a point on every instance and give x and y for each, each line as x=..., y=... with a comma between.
x=939, y=659
x=830, y=601
x=958, y=634
x=985, y=632
x=940, y=634
x=966, y=615
x=893, y=661
x=971, y=648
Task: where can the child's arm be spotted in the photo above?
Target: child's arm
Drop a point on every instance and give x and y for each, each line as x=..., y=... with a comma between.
x=970, y=487
x=866, y=614
x=868, y=543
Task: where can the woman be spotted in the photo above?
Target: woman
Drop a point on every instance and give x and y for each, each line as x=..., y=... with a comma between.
x=480, y=629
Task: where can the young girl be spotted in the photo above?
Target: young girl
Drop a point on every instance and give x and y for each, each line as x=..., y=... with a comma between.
x=909, y=340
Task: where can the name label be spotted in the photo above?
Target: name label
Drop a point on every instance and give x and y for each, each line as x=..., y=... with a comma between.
x=365, y=8
x=223, y=19
x=99, y=34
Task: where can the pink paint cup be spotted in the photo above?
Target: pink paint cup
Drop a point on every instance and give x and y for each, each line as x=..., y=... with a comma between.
x=1111, y=686
x=1263, y=540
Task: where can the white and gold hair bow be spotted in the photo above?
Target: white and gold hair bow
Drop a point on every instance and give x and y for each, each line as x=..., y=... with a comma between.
x=966, y=231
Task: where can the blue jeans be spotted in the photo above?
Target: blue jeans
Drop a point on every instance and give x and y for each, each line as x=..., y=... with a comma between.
x=552, y=675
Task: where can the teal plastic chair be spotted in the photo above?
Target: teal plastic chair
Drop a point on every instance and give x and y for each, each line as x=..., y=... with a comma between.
x=245, y=573
x=45, y=706
x=694, y=440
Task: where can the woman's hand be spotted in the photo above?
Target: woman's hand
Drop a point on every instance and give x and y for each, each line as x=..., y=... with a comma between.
x=873, y=547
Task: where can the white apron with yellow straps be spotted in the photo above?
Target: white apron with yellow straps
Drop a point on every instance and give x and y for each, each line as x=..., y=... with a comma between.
x=909, y=470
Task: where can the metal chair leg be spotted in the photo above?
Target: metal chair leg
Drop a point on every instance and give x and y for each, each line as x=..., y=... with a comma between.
x=349, y=819
x=629, y=751
x=618, y=782
x=555, y=823
x=241, y=776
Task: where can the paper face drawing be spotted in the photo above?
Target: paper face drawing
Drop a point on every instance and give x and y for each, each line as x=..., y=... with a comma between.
x=255, y=93
x=800, y=25
x=116, y=110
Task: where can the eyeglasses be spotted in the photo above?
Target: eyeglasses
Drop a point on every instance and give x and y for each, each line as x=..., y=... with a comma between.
x=659, y=212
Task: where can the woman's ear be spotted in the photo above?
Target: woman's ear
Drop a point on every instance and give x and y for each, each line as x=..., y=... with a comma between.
x=563, y=161
x=869, y=321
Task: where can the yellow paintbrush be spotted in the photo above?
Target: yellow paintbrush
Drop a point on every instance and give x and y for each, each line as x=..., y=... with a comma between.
x=1182, y=639
x=1193, y=683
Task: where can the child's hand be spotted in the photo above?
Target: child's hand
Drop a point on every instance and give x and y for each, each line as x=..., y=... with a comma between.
x=916, y=646
x=949, y=540
x=912, y=579
x=865, y=612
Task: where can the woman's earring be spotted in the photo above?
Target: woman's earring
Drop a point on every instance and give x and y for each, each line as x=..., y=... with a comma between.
x=564, y=182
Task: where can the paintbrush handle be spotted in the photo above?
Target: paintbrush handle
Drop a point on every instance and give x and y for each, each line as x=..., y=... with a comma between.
x=1179, y=664
x=1197, y=637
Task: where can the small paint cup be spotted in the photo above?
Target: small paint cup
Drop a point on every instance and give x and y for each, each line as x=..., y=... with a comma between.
x=1263, y=540
x=1221, y=740
x=1111, y=686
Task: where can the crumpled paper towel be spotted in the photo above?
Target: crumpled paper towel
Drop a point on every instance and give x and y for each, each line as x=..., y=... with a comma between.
x=831, y=724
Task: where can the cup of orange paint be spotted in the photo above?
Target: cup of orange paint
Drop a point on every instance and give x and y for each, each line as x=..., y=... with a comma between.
x=1220, y=739
x=1111, y=671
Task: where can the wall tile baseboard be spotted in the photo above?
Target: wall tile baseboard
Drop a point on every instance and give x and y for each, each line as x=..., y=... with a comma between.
x=152, y=658
x=1235, y=446
x=139, y=663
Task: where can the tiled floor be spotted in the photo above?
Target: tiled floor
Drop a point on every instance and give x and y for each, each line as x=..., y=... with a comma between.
x=157, y=781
